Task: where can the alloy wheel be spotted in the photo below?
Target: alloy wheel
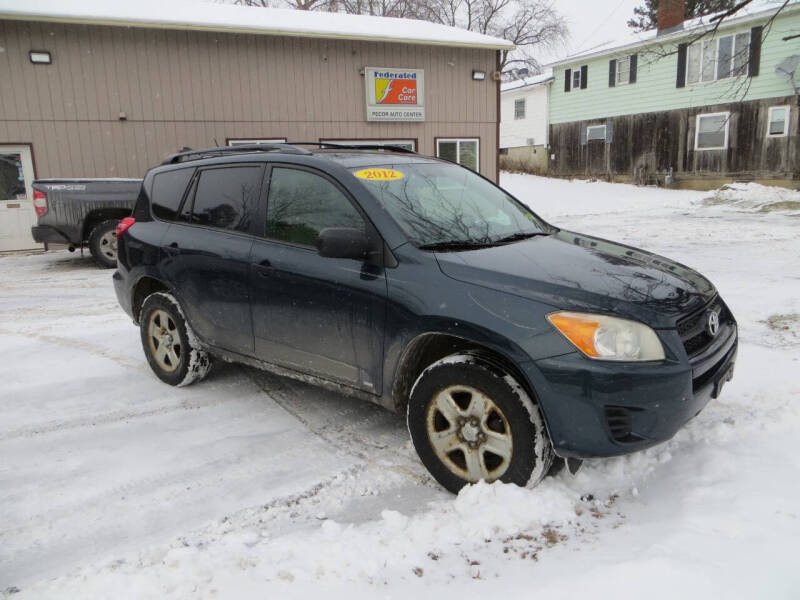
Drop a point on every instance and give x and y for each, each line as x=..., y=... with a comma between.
x=108, y=244
x=165, y=343
x=469, y=433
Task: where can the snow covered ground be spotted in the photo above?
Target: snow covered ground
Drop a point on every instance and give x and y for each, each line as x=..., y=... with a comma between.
x=246, y=485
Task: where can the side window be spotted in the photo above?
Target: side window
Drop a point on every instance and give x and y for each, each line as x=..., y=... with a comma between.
x=301, y=204
x=227, y=198
x=168, y=189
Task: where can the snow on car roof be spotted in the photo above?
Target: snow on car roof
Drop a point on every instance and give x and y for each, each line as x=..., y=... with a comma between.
x=209, y=16
x=756, y=10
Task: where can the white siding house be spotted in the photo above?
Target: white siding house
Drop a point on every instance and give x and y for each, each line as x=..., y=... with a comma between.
x=524, y=123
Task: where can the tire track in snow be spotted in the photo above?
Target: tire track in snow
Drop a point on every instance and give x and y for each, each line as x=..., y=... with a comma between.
x=354, y=427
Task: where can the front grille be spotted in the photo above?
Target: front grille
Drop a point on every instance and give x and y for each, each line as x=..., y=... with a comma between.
x=692, y=329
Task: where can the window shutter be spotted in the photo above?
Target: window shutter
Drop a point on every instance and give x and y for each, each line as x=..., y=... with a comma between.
x=609, y=132
x=681, y=81
x=612, y=73
x=584, y=76
x=583, y=135
x=567, y=79
x=634, y=68
x=754, y=62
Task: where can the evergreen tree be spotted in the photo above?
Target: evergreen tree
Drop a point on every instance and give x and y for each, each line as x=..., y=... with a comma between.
x=646, y=17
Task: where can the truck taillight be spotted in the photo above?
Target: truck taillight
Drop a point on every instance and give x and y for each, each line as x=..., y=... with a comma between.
x=124, y=224
x=39, y=202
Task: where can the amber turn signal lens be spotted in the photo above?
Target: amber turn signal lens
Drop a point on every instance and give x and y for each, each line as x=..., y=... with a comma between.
x=578, y=330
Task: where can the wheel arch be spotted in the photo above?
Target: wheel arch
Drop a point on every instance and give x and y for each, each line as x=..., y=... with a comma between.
x=95, y=217
x=426, y=348
x=145, y=286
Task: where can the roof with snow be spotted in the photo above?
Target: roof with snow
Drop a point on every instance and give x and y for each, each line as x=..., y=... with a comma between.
x=208, y=16
x=524, y=82
x=758, y=9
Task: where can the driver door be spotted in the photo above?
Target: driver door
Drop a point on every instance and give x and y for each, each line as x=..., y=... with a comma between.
x=315, y=315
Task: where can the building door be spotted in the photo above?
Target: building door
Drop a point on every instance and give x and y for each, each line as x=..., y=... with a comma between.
x=17, y=214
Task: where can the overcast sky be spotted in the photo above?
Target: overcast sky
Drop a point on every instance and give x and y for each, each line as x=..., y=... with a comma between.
x=593, y=22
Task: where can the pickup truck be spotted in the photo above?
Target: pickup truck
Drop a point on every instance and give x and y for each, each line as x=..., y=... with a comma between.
x=83, y=211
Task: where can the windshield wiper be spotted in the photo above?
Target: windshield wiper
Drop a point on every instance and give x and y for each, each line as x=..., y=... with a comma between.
x=457, y=245
x=515, y=237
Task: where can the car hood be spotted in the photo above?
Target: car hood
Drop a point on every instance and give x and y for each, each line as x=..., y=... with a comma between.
x=577, y=272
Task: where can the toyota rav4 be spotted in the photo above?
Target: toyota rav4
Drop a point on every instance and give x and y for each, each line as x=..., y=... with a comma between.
x=417, y=284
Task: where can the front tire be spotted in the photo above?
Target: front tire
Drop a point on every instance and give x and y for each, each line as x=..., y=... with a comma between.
x=103, y=244
x=171, y=348
x=469, y=421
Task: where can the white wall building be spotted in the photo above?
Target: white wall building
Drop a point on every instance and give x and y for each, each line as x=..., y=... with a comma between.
x=524, y=123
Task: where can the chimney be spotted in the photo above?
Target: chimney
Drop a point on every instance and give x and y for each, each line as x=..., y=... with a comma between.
x=671, y=14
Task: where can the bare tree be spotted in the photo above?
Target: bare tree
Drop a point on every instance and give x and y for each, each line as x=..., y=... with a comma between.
x=531, y=25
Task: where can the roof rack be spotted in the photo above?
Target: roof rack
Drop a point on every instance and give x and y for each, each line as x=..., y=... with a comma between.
x=336, y=145
x=188, y=155
x=287, y=147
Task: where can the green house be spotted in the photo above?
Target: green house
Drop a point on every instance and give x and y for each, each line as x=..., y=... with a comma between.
x=688, y=104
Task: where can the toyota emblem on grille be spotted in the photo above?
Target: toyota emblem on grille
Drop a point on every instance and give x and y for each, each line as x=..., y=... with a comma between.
x=713, y=323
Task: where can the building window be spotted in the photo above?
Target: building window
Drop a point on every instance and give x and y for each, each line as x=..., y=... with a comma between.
x=711, y=131
x=243, y=141
x=519, y=108
x=778, y=121
x=720, y=58
x=462, y=151
x=576, y=79
x=623, y=70
x=596, y=132
x=407, y=144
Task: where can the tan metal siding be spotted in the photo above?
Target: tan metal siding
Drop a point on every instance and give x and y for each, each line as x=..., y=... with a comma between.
x=187, y=88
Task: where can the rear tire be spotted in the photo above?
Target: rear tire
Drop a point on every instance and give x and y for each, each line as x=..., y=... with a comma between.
x=171, y=348
x=103, y=243
x=471, y=421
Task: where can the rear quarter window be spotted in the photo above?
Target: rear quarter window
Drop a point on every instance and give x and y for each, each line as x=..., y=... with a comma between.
x=168, y=190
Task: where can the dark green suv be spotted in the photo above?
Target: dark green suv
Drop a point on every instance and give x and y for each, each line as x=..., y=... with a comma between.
x=417, y=284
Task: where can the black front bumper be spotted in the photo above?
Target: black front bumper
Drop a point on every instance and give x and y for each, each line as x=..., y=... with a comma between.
x=48, y=234
x=596, y=408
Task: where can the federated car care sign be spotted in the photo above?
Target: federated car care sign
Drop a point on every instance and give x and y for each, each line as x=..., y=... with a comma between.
x=395, y=94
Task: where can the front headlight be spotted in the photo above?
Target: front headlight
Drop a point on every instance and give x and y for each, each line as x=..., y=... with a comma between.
x=608, y=338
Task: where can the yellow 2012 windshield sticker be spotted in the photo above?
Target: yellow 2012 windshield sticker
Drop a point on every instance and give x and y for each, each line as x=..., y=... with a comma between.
x=379, y=174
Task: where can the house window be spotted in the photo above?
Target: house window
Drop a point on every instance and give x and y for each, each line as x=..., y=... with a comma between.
x=596, y=132
x=462, y=151
x=711, y=131
x=243, y=142
x=407, y=144
x=719, y=58
x=519, y=108
x=576, y=79
x=623, y=70
x=778, y=121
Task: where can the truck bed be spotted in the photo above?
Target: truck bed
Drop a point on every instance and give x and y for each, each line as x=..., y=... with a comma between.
x=75, y=206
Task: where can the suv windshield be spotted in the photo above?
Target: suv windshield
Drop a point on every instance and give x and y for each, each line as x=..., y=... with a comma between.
x=439, y=204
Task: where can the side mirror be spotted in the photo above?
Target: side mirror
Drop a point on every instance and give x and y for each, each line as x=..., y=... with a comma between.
x=342, y=242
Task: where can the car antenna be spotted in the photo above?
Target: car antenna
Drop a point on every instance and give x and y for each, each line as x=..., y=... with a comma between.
x=216, y=143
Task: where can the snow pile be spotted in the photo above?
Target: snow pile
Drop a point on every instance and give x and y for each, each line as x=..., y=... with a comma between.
x=754, y=197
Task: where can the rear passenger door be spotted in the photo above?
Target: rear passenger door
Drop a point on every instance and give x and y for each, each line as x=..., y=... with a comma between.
x=207, y=253
x=322, y=316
